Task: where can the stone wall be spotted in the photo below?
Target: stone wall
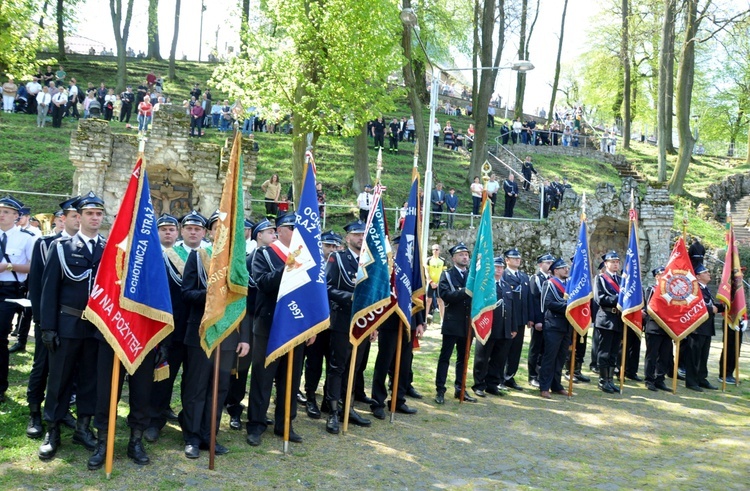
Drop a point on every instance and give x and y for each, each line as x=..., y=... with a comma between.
x=731, y=189
x=178, y=166
x=607, y=222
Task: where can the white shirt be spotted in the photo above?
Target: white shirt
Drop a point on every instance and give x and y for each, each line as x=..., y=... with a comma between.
x=73, y=91
x=364, y=200
x=60, y=98
x=43, y=98
x=492, y=187
x=33, y=88
x=18, y=248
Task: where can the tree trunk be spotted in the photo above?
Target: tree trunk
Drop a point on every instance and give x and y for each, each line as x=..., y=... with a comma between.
x=60, y=30
x=663, y=113
x=412, y=86
x=245, y=12
x=556, y=81
x=154, y=50
x=121, y=37
x=361, y=166
x=685, y=77
x=173, y=49
x=523, y=54
x=747, y=155
x=669, y=101
x=492, y=14
x=420, y=76
x=43, y=14
x=624, y=55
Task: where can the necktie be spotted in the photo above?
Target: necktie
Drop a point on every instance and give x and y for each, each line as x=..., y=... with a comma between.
x=367, y=199
x=92, y=245
x=3, y=243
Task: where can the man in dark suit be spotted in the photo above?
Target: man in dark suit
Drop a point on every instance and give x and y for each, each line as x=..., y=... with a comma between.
x=490, y=358
x=341, y=273
x=527, y=168
x=699, y=341
x=557, y=330
x=267, y=268
x=697, y=252
x=536, y=344
x=523, y=312
x=455, y=328
x=70, y=339
x=511, y=194
x=40, y=367
x=659, y=358
x=608, y=320
x=437, y=199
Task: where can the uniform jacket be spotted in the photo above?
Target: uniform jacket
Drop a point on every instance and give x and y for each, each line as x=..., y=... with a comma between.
x=341, y=274
x=510, y=187
x=452, y=289
x=175, y=267
x=708, y=328
x=267, y=268
x=523, y=306
x=555, y=305
x=36, y=270
x=502, y=316
x=537, y=283
x=649, y=325
x=607, y=317
x=67, y=279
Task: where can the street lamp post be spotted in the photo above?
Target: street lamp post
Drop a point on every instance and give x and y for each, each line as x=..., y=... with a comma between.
x=519, y=66
x=200, y=35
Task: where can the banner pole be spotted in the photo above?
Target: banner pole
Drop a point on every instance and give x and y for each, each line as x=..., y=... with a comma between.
x=349, y=384
x=113, y=392
x=572, y=364
x=676, y=364
x=288, y=400
x=725, y=345
x=396, y=369
x=214, y=409
x=624, y=355
x=467, y=352
x=737, y=342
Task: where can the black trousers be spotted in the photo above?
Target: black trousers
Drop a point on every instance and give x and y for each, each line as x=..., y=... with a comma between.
x=393, y=142
x=536, y=350
x=595, y=337
x=139, y=386
x=161, y=393
x=314, y=356
x=39, y=371
x=72, y=109
x=580, y=350
x=731, y=360
x=57, y=115
x=527, y=181
x=696, y=363
x=633, y=355
x=609, y=346
x=24, y=324
x=125, y=112
x=363, y=356
x=444, y=360
x=510, y=203
x=489, y=360
x=74, y=358
x=197, y=393
x=340, y=351
x=659, y=358
x=556, y=347
x=7, y=312
x=238, y=385
x=196, y=123
x=514, y=355
x=379, y=138
x=262, y=381
x=387, y=344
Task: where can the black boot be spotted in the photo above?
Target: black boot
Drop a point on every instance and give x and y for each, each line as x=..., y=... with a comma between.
x=580, y=376
x=615, y=388
x=332, y=425
x=48, y=449
x=604, y=381
x=18, y=346
x=136, y=452
x=313, y=411
x=96, y=461
x=35, y=429
x=83, y=434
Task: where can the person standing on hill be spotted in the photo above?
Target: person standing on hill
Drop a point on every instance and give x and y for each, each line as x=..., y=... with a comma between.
x=511, y=194
x=527, y=169
x=378, y=132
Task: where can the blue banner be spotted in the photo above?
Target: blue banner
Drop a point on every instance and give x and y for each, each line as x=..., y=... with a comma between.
x=407, y=266
x=630, y=301
x=579, y=292
x=302, y=308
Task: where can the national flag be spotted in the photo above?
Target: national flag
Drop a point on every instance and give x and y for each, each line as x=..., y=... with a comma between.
x=731, y=289
x=372, y=301
x=578, y=290
x=480, y=284
x=302, y=309
x=630, y=300
x=407, y=268
x=677, y=303
x=130, y=302
x=226, y=289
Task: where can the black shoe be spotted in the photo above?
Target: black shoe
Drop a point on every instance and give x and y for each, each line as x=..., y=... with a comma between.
x=694, y=387
x=269, y=421
x=634, y=377
x=494, y=390
x=404, y=409
x=170, y=415
x=358, y=420
x=467, y=397
x=136, y=452
x=511, y=384
x=440, y=399
x=662, y=386
x=313, y=411
x=253, y=439
x=17, y=347
x=364, y=399
x=480, y=393
x=51, y=443
x=730, y=380
x=35, y=429
x=707, y=385
x=293, y=437
x=378, y=412
x=69, y=420
x=332, y=424
x=192, y=451
x=324, y=406
x=83, y=434
x=581, y=377
x=650, y=386
x=234, y=422
x=412, y=392
x=605, y=387
x=219, y=449
x=534, y=383
x=96, y=461
x=151, y=434
x=301, y=398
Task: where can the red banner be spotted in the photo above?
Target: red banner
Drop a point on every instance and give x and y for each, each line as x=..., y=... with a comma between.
x=677, y=303
x=731, y=289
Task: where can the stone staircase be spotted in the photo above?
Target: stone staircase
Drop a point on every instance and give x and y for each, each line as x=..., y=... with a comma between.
x=740, y=213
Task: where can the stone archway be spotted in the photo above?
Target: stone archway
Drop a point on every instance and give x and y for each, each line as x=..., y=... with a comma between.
x=608, y=233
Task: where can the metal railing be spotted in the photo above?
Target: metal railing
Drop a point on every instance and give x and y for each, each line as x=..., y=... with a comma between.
x=539, y=187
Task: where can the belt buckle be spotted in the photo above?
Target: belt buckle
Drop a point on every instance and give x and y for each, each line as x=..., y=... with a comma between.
x=614, y=310
x=83, y=314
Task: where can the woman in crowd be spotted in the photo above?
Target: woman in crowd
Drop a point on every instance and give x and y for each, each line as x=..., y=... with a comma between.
x=144, y=113
x=109, y=104
x=470, y=138
x=448, y=136
x=272, y=190
x=476, y=195
x=10, y=89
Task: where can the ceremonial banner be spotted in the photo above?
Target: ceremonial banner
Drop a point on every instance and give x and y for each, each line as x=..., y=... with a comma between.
x=407, y=267
x=480, y=284
x=372, y=301
x=677, y=303
x=302, y=308
x=731, y=289
x=579, y=292
x=630, y=301
x=226, y=291
x=130, y=302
